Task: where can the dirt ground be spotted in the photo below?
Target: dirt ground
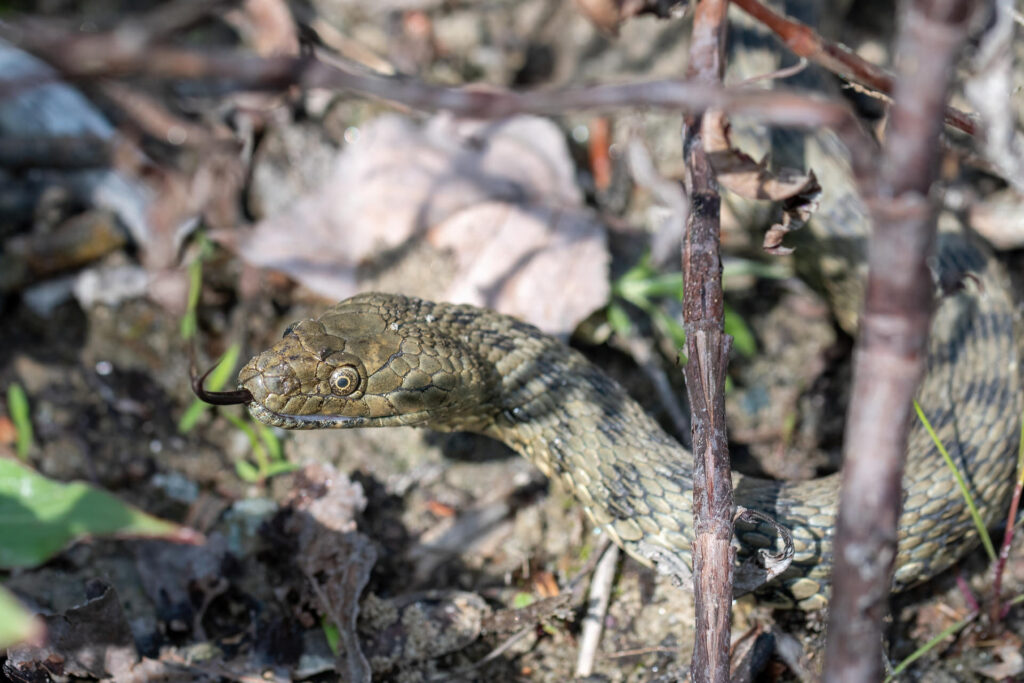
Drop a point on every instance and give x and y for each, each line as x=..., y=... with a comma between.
x=438, y=556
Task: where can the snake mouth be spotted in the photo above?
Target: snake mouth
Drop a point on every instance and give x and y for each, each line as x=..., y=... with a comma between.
x=285, y=421
x=218, y=398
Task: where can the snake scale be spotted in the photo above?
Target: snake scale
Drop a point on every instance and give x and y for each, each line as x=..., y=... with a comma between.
x=380, y=360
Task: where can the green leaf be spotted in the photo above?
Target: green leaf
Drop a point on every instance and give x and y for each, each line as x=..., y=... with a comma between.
x=672, y=327
x=39, y=517
x=246, y=472
x=282, y=467
x=522, y=599
x=619, y=319
x=742, y=338
x=16, y=623
x=17, y=406
x=331, y=633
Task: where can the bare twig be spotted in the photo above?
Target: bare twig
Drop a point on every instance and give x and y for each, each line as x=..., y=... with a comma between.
x=82, y=57
x=597, y=607
x=707, y=348
x=805, y=42
x=890, y=355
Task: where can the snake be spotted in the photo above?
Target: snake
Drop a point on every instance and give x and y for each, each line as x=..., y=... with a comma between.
x=390, y=360
x=386, y=360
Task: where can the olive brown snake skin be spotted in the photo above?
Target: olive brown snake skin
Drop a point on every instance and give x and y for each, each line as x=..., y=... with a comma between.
x=379, y=360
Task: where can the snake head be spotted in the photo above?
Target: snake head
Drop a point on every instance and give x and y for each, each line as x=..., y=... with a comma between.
x=371, y=361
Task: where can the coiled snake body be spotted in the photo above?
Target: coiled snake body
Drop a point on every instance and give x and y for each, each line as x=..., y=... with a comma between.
x=379, y=360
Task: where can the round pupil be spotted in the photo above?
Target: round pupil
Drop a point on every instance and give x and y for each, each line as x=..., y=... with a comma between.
x=342, y=382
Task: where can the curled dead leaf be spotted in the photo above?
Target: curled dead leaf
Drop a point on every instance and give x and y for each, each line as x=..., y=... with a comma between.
x=797, y=192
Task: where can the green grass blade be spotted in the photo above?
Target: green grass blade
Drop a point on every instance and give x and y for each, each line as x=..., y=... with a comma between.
x=923, y=650
x=17, y=406
x=247, y=471
x=190, y=321
x=270, y=440
x=986, y=540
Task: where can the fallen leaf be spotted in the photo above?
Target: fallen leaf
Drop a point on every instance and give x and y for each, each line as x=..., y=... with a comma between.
x=92, y=639
x=181, y=582
x=993, y=89
x=536, y=263
x=1010, y=666
x=999, y=218
x=335, y=558
x=466, y=211
x=421, y=626
x=797, y=192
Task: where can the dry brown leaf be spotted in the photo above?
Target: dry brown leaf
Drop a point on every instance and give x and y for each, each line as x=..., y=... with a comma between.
x=466, y=211
x=736, y=171
x=999, y=218
x=1011, y=662
x=267, y=25
x=608, y=15
x=92, y=639
x=334, y=556
x=538, y=264
x=993, y=89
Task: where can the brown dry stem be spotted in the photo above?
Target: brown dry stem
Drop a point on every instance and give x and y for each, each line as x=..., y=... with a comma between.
x=707, y=348
x=805, y=42
x=890, y=354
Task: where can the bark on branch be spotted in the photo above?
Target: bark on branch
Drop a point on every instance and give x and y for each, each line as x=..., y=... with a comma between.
x=707, y=350
x=890, y=354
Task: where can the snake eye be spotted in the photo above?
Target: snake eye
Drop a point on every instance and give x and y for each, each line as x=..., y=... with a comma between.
x=344, y=380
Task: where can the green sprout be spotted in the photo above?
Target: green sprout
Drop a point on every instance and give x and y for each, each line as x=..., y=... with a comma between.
x=17, y=406
x=643, y=286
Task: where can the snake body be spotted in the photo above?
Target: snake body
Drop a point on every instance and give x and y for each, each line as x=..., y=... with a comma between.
x=379, y=360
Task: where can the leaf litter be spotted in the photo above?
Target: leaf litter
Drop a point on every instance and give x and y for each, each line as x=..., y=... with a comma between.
x=487, y=213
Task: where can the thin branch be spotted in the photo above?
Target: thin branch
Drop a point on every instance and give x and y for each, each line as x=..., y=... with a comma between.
x=805, y=42
x=707, y=350
x=891, y=348
x=81, y=57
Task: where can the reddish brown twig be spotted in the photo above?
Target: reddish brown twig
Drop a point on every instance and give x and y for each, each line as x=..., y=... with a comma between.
x=999, y=610
x=890, y=355
x=707, y=350
x=805, y=42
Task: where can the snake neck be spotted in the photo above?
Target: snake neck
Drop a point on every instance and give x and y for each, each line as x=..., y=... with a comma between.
x=583, y=429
